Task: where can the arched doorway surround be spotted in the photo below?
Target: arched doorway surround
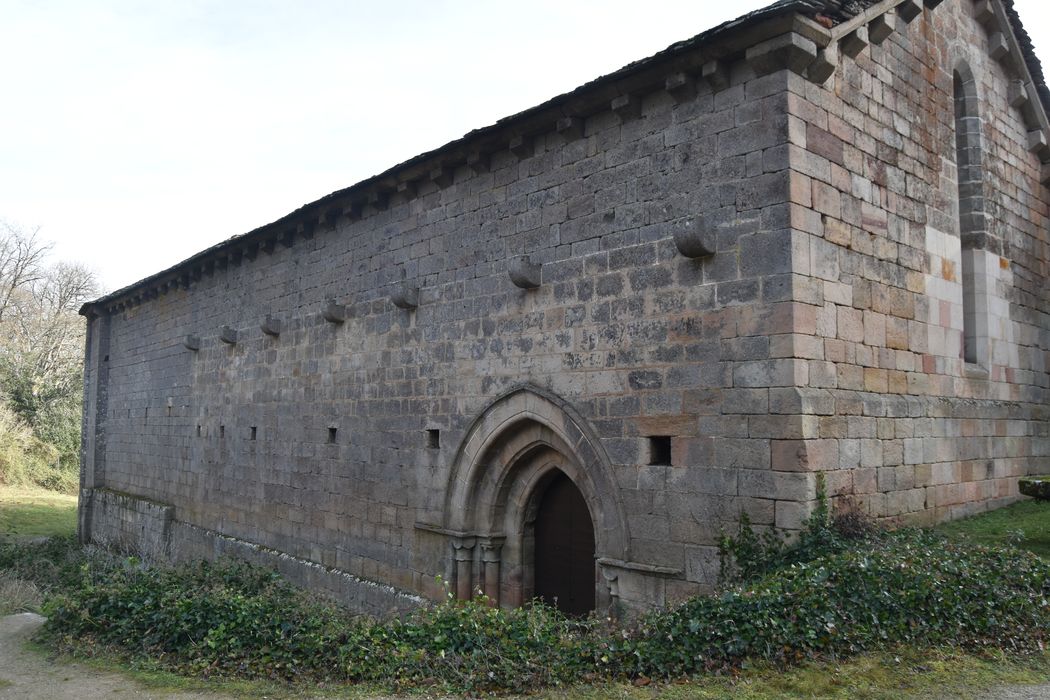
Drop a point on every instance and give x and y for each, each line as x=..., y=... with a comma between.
x=514, y=448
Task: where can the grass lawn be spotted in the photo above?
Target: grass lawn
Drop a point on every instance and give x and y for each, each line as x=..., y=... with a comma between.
x=1025, y=525
x=30, y=512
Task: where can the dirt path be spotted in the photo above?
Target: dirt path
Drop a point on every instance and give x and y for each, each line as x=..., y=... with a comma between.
x=25, y=675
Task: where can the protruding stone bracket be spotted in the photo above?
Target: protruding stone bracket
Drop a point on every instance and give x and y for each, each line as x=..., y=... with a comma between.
x=909, y=10
x=330, y=218
x=523, y=272
x=191, y=342
x=716, y=73
x=1037, y=143
x=984, y=13
x=379, y=200
x=998, y=48
x=333, y=312
x=693, y=241
x=478, y=161
x=441, y=176
x=407, y=189
x=271, y=326
x=880, y=28
x=569, y=128
x=680, y=86
x=405, y=295
x=626, y=107
x=521, y=146
x=824, y=66
x=353, y=210
x=792, y=51
x=854, y=42
x=228, y=335
x=1017, y=94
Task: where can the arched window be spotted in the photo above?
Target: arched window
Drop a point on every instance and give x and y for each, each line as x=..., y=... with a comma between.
x=972, y=220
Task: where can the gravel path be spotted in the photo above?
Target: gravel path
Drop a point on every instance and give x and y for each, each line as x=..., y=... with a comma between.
x=26, y=675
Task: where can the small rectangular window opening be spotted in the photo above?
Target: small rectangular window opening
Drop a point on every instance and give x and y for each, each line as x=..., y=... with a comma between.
x=332, y=435
x=222, y=431
x=254, y=433
x=660, y=450
x=198, y=431
x=434, y=439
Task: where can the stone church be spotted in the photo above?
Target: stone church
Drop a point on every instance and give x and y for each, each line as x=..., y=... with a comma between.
x=559, y=356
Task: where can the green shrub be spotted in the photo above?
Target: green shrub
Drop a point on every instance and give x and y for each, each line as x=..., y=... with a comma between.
x=233, y=619
x=25, y=460
x=910, y=587
x=750, y=555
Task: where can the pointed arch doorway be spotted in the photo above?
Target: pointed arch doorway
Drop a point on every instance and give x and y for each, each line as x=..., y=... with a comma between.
x=564, y=548
x=527, y=461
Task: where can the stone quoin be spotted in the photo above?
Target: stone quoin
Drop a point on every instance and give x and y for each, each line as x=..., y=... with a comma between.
x=561, y=355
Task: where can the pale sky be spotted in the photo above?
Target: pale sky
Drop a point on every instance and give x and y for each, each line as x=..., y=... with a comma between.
x=135, y=133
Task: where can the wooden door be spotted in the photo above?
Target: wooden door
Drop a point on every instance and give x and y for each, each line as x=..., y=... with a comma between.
x=565, y=549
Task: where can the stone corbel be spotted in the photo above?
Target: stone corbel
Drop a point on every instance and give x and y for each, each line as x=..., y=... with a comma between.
x=693, y=241
x=271, y=325
x=523, y=272
x=716, y=73
x=626, y=107
x=405, y=296
x=569, y=128
x=478, y=161
x=441, y=176
x=680, y=86
x=521, y=146
x=191, y=342
x=333, y=312
x=792, y=51
x=228, y=335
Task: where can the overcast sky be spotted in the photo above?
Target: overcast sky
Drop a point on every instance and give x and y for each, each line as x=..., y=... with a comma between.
x=136, y=133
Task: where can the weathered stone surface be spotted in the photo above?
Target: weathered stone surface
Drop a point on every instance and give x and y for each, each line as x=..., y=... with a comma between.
x=748, y=277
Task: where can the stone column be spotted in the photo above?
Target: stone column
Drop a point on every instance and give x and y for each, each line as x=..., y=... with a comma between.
x=612, y=585
x=463, y=550
x=491, y=549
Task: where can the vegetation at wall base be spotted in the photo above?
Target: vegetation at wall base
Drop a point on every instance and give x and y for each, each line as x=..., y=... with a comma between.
x=873, y=593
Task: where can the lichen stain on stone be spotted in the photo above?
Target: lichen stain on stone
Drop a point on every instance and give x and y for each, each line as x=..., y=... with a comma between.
x=948, y=269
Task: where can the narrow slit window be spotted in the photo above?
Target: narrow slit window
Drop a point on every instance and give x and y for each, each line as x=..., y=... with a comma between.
x=433, y=439
x=198, y=431
x=222, y=431
x=254, y=432
x=660, y=450
x=332, y=433
x=973, y=229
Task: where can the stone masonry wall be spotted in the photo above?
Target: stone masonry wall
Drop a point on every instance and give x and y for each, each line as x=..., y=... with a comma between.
x=313, y=442
x=286, y=401
x=900, y=424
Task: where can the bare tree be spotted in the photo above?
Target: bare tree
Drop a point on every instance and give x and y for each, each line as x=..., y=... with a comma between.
x=21, y=261
x=42, y=337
